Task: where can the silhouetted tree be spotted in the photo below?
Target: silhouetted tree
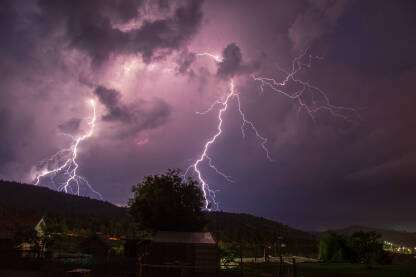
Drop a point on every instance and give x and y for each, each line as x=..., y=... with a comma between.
x=334, y=248
x=363, y=247
x=367, y=246
x=168, y=202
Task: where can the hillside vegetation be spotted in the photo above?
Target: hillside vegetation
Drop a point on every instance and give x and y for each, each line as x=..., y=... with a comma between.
x=397, y=237
x=23, y=198
x=64, y=212
x=251, y=229
x=85, y=214
x=253, y=233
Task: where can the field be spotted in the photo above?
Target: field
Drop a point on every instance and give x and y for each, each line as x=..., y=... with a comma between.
x=22, y=273
x=303, y=270
x=346, y=270
x=331, y=270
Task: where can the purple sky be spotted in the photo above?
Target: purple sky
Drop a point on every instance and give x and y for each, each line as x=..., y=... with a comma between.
x=138, y=60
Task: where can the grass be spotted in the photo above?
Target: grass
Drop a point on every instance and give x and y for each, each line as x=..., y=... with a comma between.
x=303, y=270
x=23, y=273
x=346, y=270
x=329, y=270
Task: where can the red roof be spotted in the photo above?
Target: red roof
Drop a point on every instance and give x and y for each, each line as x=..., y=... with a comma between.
x=9, y=224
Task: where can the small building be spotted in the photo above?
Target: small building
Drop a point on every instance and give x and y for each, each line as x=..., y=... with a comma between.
x=11, y=225
x=194, y=249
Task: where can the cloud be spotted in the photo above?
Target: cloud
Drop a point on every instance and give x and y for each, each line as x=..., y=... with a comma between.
x=136, y=117
x=232, y=63
x=47, y=46
x=7, y=152
x=184, y=61
x=318, y=20
x=395, y=171
x=111, y=99
x=91, y=26
x=70, y=126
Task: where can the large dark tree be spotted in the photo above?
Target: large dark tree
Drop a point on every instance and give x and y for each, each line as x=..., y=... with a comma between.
x=168, y=202
x=368, y=246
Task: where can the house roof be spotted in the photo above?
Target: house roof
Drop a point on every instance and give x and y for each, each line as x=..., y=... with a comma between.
x=9, y=224
x=184, y=237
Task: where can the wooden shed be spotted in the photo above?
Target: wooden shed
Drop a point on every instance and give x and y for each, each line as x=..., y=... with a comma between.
x=195, y=249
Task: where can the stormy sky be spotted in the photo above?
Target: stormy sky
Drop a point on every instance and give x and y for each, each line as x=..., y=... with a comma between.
x=139, y=61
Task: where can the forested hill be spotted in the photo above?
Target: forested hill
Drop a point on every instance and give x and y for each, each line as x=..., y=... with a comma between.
x=254, y=232
x=252, y=229
x=397, y=237
x=19, y=198
x=84, y=214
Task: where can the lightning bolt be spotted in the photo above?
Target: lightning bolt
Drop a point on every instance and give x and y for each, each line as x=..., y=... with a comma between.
x=208, y=193
x=318, y=101
x=65, y=165
x=215, y=57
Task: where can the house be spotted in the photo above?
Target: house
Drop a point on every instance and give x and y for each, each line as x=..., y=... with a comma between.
x=11, y=228
x=194, y=249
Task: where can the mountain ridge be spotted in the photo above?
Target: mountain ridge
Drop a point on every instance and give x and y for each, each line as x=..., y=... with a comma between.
x=404, y=238
x=24, y=198
x=19, y=198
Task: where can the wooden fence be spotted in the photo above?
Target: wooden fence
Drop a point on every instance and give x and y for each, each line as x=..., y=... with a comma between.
x=280, y=269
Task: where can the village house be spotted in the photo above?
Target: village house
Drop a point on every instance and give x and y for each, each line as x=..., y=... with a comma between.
x=196, y=250
x=10, y=226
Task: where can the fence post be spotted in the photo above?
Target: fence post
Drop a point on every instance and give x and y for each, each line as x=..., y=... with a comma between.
x=276, y=270
x=241, y=253
x=241, y=259
x=281, y=267
x=294, y=267
x=218, y=267
x=139, y=265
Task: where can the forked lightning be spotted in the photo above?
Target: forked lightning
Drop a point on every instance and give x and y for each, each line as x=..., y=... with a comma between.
x=63, y=164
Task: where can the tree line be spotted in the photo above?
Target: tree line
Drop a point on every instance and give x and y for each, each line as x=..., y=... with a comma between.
x=360, y=247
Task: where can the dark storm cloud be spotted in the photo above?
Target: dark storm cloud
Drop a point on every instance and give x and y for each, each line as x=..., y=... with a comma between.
x=90, y=27
x=401, y=170
x=70, y=126
x=111, y=99
x=326, y=173
x=14, y=138
x=7, y=152
x=136, y=117
x=8, y=16
x=18, y=33
x=184, y=61
x=319, y=19
x=232, y=63
x=385, y=37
